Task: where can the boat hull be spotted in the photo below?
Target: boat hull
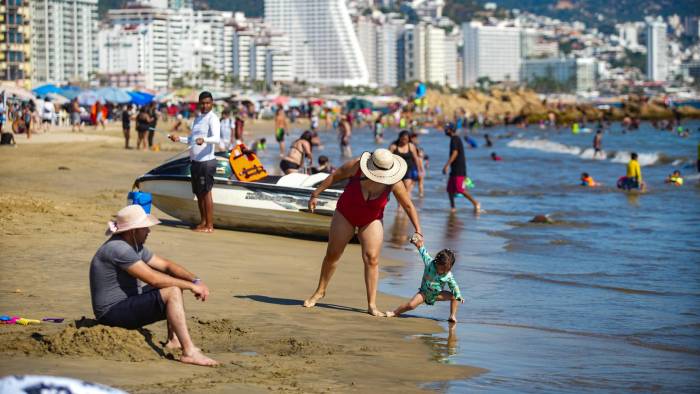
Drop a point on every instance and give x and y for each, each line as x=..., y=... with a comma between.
x=244, y=206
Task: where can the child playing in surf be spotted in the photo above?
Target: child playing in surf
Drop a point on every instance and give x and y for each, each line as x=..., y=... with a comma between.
x=435, y=276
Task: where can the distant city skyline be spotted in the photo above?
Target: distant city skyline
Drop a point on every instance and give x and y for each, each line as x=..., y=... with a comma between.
x=162, y=44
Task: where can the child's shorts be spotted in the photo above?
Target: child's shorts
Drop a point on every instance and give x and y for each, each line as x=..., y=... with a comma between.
x=429, y=296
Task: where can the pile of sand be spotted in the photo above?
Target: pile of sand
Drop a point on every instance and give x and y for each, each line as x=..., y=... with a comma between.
x=104, y=342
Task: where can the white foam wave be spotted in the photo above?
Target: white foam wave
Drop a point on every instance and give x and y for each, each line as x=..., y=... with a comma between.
x=543, y=145
x=644, y=159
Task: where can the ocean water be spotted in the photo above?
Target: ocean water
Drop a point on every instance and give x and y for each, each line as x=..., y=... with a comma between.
x=607, y=298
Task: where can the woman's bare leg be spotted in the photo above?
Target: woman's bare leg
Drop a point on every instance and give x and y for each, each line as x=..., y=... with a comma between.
x=371, y=237
x=340, y=233
x=409, y=185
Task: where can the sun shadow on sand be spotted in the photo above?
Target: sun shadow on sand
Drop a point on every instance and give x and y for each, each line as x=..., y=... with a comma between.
x=174, y=223
x=293, y=302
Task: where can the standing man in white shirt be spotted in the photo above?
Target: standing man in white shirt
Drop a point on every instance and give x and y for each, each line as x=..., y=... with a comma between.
x=203, y=141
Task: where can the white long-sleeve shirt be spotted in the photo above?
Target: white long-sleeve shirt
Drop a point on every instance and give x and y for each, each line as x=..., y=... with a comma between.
x=205, y=126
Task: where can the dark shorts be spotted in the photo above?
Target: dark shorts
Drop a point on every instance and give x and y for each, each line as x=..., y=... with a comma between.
x=412, y=173
x=288, y=165
x=279, y=134
x=202, y=173
x=136, y=311
x=455, y=185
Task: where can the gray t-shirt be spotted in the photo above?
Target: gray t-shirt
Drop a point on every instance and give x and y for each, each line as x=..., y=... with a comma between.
x=109, y=281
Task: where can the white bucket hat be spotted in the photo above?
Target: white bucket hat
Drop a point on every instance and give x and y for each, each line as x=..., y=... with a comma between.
x=383, y=167
x=129, y=218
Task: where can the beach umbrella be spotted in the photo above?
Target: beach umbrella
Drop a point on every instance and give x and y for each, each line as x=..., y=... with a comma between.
x=43, y=90
x=89, y=97
x=357, y=104
x=113, y=95
x=16, y=91
x=57, y=98
x=70, y=92
x=140, y=98
x=281, y=100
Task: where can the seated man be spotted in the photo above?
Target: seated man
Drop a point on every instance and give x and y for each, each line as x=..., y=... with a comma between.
x=118, y=301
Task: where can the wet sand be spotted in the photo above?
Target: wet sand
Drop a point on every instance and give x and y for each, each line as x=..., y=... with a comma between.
x=55, y=200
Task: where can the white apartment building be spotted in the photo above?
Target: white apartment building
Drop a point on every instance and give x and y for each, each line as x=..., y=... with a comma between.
x=657, y=51
x=122, y=51
x=325, y=46
x=491, y=51
x=378, y=37
x=63, y=40
x=428, y=54
x=578, y=73
x=452, y=72
x=387, y=52
x=367, y=29
x=258, y=53
x=156, y=50
x=534, y=45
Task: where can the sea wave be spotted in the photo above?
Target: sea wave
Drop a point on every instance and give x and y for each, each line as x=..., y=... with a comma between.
x=574, y=283
x=543, y=145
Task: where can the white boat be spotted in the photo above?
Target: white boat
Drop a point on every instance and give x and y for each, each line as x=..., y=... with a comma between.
x=276, y=205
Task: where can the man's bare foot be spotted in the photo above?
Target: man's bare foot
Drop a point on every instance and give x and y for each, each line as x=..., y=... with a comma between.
x=390, y=314
x=173, y=344
x=452, y=319
x=203, y=229
x=197, y=358
x=311, y=301
x=375, y=312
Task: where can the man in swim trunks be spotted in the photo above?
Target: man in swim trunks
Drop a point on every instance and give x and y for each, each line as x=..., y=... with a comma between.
x=281, y=127
x=117, y=299
x=205, y=136
x=633, y=179
x=457, y=163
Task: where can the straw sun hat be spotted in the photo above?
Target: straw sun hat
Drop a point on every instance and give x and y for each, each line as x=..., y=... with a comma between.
x=383, y=167
x=129, y=218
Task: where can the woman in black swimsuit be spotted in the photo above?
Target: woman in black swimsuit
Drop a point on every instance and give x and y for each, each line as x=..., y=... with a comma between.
x=300, y=149
x=408, y=151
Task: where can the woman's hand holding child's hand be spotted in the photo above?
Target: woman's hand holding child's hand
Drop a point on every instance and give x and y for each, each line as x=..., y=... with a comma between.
x=417, y=240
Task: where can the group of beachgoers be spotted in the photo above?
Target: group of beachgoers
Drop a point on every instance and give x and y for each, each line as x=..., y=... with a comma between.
x=123, y=260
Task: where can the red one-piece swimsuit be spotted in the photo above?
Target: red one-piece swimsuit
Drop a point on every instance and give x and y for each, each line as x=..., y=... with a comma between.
x=353, y=206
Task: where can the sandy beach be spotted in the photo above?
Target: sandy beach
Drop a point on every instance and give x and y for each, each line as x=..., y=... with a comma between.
x=55, y=200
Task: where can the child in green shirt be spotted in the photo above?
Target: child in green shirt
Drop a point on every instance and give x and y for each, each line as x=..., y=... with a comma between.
x=435, y=276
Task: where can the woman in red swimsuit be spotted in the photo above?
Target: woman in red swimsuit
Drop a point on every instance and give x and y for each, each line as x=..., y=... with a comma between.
x=372, y=177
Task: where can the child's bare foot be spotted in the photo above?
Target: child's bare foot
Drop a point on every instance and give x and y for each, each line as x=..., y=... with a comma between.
x=390, y=314
x=453, y=210
x=197, y=358
x=311, y=301
x=452, y=319
x=477, y=208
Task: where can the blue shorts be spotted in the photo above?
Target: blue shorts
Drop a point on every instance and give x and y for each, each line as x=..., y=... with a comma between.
x=136, y=311
x=412, y=173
